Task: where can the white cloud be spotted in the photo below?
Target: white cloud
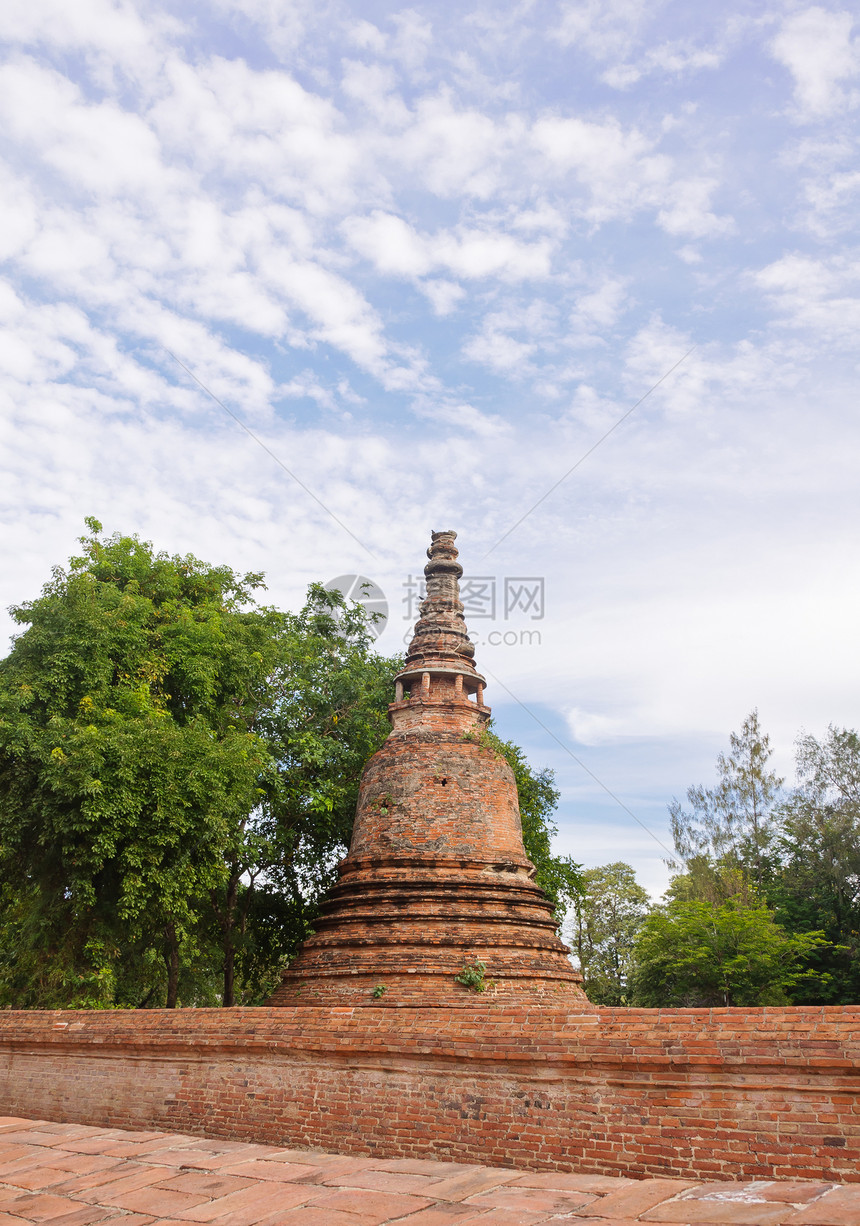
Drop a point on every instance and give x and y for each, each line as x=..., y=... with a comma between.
x=653, y=351
x=619, y=169
x=499, y=350
x=833, y=202
x=396, y=248
x=817, y=48
x=17, y=209
x=390, y=243
x=409, y=42
x=690, y=254
x=689, y=213
x=606, y=28
x=597, y=413
x=97, y=147
x=532, y=339
x=224, y=268
x=261, y=128
x=821, y=297
x=374, y=86
x=367, y=36
x=614, y=33
x=340, y=313
x=544, y=218
x=284, y=27
x=112, y=32
x=413, y=39
x=64, y=250
x=509, y=338
x=455, y=151
x=437, y=255
x=602, y=306
x=444, y=295
x=461, y=417
x=594, y=728
x=474, y=253
x=307, y=386
x=622, y=171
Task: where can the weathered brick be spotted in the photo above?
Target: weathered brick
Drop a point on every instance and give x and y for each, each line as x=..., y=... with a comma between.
x=437, y=875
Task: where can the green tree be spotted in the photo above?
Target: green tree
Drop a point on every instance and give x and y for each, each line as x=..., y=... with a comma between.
x=326, y=714
x=128, y=763
x=725, y=836
x=607, y=916
x=696, y=953
x=168, y=751
x=818, y=886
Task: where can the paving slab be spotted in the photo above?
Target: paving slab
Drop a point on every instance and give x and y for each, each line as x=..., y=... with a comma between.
x=532, y=1200
x=279, y=1172
x=75, y=1175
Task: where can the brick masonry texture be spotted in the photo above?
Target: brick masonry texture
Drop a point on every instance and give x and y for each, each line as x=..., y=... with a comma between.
x=436, y=876
x=165, y=1179
x=701, y=1094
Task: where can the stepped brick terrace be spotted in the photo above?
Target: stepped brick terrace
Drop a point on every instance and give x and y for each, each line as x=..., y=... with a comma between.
x=72, y=1175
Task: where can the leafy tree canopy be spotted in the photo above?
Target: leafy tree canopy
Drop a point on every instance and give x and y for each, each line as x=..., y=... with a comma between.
x=165, y=743
x=179, y=769
x=748, y=844
x=818, y=882
x=126, y=757
x=607, y=917
x=729, y=828
x=733, y=953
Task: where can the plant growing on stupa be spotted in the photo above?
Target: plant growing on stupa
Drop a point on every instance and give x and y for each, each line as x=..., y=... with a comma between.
x=474, y=976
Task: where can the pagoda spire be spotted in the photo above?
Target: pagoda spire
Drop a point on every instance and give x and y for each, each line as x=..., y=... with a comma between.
x=440, y=633
x=439, y=669
x=437, y=878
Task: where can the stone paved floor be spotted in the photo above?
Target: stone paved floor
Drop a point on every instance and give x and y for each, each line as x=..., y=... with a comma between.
x=72, y=1175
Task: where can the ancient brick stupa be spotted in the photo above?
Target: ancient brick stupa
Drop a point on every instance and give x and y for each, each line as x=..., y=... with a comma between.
x=436, y=878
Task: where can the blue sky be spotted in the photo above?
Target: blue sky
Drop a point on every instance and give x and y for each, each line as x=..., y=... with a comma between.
x=430, y=256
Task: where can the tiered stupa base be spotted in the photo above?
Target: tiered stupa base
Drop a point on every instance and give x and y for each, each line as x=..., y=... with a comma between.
x=400, y=931
x=437, y=880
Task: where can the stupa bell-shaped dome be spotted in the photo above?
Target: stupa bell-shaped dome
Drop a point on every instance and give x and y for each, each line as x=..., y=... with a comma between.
x=437, y=877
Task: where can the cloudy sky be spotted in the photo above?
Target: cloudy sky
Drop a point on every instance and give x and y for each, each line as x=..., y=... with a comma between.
x=429, y=257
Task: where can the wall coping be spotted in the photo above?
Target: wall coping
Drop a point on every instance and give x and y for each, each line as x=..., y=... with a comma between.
x=804, y=1041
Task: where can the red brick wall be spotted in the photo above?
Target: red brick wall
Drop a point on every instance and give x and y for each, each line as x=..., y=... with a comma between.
x=723, y=1092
